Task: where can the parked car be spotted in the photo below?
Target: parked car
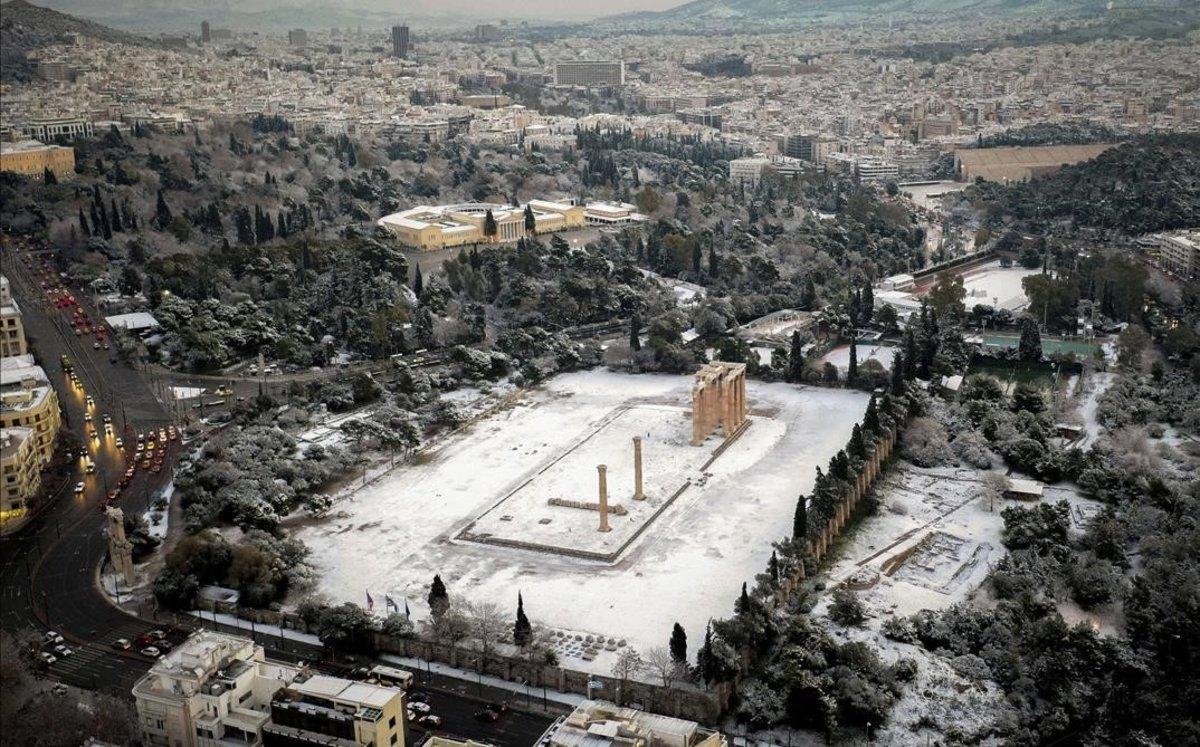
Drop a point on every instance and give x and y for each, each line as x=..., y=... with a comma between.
x=429, y=720
x=48, y=658
x=151, y=652
x=62, y=650
x=122, y=644
x=414, y=697
x=52, y=637
x=419, y=707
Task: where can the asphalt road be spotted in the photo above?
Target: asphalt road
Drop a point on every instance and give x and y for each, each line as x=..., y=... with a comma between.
x=49, y=568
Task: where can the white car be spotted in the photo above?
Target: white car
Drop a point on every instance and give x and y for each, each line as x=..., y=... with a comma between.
x=62, y=650
x=151, y=652
x=420, y=707
x=51, y=636
x=48, y=658
x=78, y=487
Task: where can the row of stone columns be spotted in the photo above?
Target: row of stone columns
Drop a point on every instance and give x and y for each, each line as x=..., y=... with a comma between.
x=872, y=466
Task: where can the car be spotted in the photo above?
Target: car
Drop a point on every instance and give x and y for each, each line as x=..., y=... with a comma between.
x=224, y=391
x=79, y=487
x=107, y=418
x=95, y=346
x=48, y=658
x=78, y=332
x=162, y=435
x=141, y=447
x=91, y=402
x=156, y=467
x=145, y=464
x=119, y=442
x=105, y=346
x=429, y=719
x=90, y=468
x=149, y=446
x=59, y=689
x=52, y=637
x=122, y=644
x=420, y=707
x=157, y=634
x=151, y=652
x=87, y=417
x=62, y=650
x=141, y=437
x=487, y=715
x=130, y=472
x=417, y=698
x=165, y=645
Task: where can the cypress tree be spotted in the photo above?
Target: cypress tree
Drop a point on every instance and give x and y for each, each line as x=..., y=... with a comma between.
x=635, y=332
x=115, y=220
x=83, y=224
x=162, y=213
x=898, y=364
x=489, y=225
x=418, y=282
x=852, y=370
x=800, y=520
x=678, y=644
x=871, y=417
x=857, y=446
x=530, y=220
x=773, y=567
x=795, y=359
x=439, y=599
x=743, y=603
x=522, y=630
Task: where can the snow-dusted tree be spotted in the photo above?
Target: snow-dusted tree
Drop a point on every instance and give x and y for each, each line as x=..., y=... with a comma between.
x=664, y=666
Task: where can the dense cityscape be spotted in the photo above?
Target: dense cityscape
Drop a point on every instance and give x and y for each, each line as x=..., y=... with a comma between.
x=735, y=373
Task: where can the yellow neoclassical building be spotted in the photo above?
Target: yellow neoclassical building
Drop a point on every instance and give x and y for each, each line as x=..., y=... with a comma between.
x=31, y=158
x=28, y=401
x=12, y=329
x=430, y=227
x=20, y=472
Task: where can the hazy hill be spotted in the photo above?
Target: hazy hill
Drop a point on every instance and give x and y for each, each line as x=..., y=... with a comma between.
x=25, y=27
x=766, y=11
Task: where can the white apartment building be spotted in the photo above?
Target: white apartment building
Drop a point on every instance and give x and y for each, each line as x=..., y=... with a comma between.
x=1178, y=253
x=598, y=723
x=748, y=172
x=589, y=73
x=213, y=690
x=12, y=328
x=874, y=169
x=323, y=710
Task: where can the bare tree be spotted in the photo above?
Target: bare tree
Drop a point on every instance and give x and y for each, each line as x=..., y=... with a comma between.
x=995, y=485
x=488, y=626
x=449, y=627
x=627, y=665
x=660, y=661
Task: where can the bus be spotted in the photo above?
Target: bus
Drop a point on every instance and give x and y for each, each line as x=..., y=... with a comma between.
x=389, y=677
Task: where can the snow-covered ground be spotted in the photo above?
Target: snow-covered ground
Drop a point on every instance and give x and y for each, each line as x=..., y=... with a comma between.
x=394, y=535
x=997, y=286
x=840, y=356
x=1098, y=385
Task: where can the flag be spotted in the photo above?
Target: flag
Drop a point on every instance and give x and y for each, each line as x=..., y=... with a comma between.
x=390, y=603
x=370, y=602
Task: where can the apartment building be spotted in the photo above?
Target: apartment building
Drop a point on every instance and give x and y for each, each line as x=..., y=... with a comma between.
x=1178, y=252
x=873, y=169
x=32, y=158
x=813, y=148
x=213, y=690
x=20, y=472
x=333, y=711
x=12, y=328
x=28, y=401
x=748, y=172
x=598, y=723
x=589, y=73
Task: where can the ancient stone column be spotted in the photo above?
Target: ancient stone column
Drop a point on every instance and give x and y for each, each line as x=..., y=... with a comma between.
x=602, y=470
x=638, y=495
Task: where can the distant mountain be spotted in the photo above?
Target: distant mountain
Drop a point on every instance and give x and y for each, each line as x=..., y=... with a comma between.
x=779, y=11
x=25, y=27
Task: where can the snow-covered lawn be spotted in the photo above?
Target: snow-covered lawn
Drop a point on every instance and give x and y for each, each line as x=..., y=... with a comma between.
x=840, y=356
x=687, y=566
x=997, y=286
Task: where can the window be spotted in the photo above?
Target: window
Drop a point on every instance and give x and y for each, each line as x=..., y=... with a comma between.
x=392, y=722
x=393, y=739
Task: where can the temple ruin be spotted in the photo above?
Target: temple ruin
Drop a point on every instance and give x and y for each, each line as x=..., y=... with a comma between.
x=718, y=400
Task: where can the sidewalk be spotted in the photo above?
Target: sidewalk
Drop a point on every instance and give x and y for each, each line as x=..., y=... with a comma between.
x=485, y=687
